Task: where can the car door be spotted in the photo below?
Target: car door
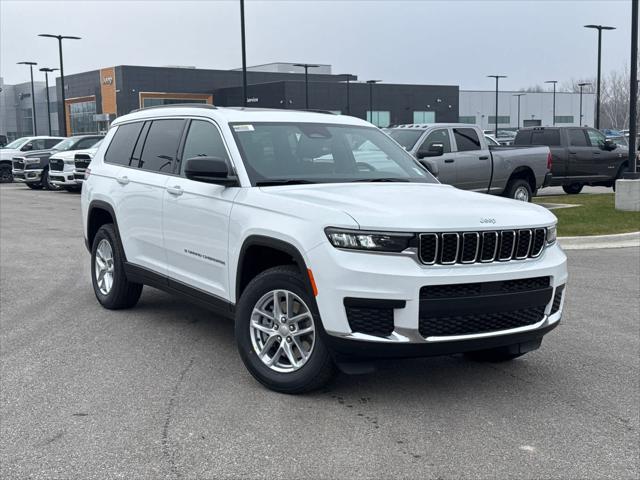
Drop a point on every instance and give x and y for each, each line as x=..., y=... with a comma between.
x=196, y=217
x=142, y=188
x=604, y=163
x=579, y=153
x=473, y=160
x=445, y=162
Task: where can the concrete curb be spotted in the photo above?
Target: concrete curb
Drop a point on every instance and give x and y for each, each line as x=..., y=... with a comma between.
x=621, y=240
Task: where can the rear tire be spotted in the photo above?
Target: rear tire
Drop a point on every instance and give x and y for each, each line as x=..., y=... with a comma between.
x=572, y=188
x=5, y=174
x=110, y=284
x=34, y=186
x=519, y=189
x=268, y=337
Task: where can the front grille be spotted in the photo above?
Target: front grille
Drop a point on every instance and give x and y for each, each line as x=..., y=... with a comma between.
x=56, y=165
x=470, y=308
x=370, y=320
x=471, y=247
x=557, y=300
x=471, y=289
x=480, y=322
x=18, y=164
x=82, y=161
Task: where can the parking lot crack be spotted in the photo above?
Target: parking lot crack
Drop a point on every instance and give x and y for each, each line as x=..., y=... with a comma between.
x=167, y=451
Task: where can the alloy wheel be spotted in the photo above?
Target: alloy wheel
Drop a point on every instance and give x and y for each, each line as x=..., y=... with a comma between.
x=104, y=266
x=282, y=331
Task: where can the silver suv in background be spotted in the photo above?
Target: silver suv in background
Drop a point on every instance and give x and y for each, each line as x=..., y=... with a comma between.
x=459, y=155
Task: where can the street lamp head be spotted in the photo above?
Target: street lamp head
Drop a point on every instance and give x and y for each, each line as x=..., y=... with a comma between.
x=600, y=27
x=305, y=65
x=496, y=76
x=48, y=70
x=27, y=63
x=519, y=94
x=371, y=82
x=59, y=37
x=551, y=81
x=584, y=84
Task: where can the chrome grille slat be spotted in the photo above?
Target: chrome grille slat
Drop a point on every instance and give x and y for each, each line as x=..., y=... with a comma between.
x=449, y=248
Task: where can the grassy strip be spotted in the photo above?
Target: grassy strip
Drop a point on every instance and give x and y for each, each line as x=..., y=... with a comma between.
x=596, y=215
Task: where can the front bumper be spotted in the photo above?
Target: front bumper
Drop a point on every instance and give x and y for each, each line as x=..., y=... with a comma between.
x=27, y=176
x=64, y=178
x=398, y=279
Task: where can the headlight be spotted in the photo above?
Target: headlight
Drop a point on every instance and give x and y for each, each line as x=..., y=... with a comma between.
x=551, y=235
x=31, y=161
x=372, y=241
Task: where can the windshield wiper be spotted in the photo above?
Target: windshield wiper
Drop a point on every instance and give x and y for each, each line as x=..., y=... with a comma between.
x=382, y=179
x=269, y=183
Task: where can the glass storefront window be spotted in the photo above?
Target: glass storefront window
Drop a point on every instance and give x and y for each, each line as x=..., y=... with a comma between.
x=424, y=117
x=154, y=102
x=81, y=117
x=379, y=118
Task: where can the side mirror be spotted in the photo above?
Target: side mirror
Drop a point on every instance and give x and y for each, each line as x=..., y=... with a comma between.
x=431, y=166
x=27, y=147
x=609, y=145
x=209, y=170
x=434, y=150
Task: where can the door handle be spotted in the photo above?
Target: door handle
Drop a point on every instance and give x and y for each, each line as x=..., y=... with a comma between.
x=572, y=152
x=123, y=180
x=484, y=158
x=449, y=160
x=596, y=153
x=175, y=190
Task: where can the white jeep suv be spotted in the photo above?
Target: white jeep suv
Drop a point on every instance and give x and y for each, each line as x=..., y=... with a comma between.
x=323, y=238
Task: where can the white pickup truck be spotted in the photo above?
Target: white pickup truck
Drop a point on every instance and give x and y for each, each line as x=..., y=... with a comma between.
x=320, y=237
x=459, y=155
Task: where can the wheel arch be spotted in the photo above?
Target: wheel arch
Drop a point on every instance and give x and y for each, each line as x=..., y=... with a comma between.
x=525, y=173
x=100, y=213
x=251, y=261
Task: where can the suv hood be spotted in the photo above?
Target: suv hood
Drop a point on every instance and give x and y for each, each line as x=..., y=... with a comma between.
x=414, y=207
x=70, y=154
x=8, y=153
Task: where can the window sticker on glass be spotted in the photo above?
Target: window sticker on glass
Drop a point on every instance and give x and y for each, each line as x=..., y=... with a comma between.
x=243, y=128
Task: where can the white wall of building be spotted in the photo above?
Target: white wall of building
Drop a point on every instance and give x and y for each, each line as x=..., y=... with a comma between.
x=533, y=106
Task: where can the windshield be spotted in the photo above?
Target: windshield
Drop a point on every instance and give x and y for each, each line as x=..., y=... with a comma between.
x=64, y=145
x=406, y=138
x=16, y=144
x=280, y=153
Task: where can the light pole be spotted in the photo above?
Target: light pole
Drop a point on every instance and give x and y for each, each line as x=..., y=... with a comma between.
x=581, y=85
x=348, y=80
x=46, y=83
x=497, y=77
x=244, y=55
x=371, y=84
x=34, y=123
x=64, y=106
x=554, y=99
x=519, y=95
x=633, y=106
x=600, y=28
x=306, y=67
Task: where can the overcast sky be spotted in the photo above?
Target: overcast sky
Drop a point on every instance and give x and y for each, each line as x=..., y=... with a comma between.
x=427, y=42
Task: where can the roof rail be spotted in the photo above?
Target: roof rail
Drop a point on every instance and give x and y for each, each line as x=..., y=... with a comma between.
x=316, y=110
x=178, y=105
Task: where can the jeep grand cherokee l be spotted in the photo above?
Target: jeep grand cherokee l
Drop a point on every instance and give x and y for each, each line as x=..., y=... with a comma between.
x=321, y=254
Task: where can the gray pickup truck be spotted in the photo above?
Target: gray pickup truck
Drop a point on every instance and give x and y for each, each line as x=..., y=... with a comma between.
x=458, y=154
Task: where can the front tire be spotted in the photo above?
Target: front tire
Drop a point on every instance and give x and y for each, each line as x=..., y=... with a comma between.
x=279, y=333
x=519, y=189
x=572, y=188
x=46, y=182
x=34, y=185
x=110, y=284
x=5, y=174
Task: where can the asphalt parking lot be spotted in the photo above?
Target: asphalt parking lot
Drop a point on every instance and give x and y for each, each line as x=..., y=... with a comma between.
x=160, y=392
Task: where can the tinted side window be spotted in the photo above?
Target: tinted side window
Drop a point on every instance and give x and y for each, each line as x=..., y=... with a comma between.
x=523, y=137
x=86, y=143
x=466, y=139
x=203, y=140
x=38, y=144
x=121, y=146
x=596, y=138
x=50, y=143
x=550, y=138
x=438, y=136
x=161, y=146
x=577, y=138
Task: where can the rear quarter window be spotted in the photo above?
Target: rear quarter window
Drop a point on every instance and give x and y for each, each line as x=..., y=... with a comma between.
x=523, y=137
x=550, y=138
x=121, y=147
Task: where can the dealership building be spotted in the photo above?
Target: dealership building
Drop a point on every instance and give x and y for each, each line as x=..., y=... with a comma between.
x=95, y=98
